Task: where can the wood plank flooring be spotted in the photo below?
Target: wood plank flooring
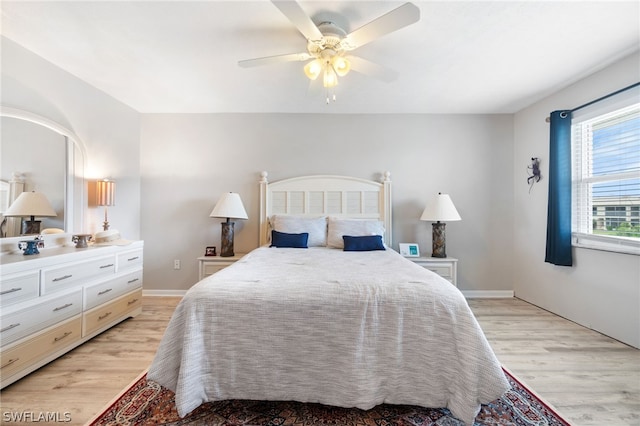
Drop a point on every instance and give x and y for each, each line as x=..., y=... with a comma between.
x=589, y=378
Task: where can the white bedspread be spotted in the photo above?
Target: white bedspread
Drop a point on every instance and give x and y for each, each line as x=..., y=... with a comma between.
x=350, y=329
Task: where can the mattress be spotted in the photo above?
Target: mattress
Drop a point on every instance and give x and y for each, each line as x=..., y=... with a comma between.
x=349, y=329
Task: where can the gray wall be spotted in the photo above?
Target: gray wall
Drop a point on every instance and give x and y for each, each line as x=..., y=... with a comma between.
x=602, y=289
x=189, y=160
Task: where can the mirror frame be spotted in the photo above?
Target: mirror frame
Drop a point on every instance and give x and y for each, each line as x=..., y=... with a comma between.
x=73, y=207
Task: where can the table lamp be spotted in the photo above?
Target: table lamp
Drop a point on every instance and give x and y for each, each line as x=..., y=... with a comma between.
x=30, y=204
x=105, y=196
x=229, y=206
x=440, y=209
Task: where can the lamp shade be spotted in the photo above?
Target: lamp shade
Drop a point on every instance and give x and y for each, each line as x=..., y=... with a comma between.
x=229, y=206
x=313, y=69
x=440, y=209
x=341, y=65
x=31, y=204
x=106, y=192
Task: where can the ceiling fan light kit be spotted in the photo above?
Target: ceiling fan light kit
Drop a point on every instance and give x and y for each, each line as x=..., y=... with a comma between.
x=328, y=45
x=330, y=64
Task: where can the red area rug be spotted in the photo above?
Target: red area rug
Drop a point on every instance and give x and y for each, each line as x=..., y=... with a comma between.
x=147, y=403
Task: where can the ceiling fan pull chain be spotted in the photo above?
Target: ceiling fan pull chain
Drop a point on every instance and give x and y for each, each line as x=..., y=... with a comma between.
x=333, y=96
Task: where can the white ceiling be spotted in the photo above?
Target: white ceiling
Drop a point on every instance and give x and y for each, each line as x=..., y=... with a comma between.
x=461, y=57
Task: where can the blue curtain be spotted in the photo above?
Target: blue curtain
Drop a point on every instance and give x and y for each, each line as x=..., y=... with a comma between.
x=559, y=205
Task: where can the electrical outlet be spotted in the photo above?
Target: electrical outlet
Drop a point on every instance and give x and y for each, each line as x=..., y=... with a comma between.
x=176, y=264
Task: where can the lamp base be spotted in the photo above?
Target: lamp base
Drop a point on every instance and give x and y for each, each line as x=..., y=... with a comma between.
x=105, y=224
x=438, y=247
x=226, y=240
x=30, y=227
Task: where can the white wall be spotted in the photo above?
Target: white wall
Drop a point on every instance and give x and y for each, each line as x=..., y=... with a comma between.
x=108, y=128
x=602, y=289
x=188, y=160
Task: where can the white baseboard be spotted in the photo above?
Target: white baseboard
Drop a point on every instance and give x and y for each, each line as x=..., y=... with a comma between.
x=164, y=293
x=488, y=294
x=469, y=294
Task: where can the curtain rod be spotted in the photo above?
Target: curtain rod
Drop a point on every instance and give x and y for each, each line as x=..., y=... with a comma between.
x=624, y=89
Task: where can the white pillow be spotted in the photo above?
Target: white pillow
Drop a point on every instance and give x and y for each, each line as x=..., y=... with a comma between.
x=354, y=227
x=291, y=224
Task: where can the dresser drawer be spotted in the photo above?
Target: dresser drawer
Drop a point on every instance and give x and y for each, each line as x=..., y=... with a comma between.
x=443, y=271
x=105, y=291
x=130, y=259
x=18, y=287
x=18, y=323
x=105, y=315
x=40, y=346
x=210, y=268
x=61, y=277
x=446, y=267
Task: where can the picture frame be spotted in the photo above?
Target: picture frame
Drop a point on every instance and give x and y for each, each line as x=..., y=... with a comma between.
x=409, y=250
x=210, y=251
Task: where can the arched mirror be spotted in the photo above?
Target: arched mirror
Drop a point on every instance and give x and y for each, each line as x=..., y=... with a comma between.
x=40, y=155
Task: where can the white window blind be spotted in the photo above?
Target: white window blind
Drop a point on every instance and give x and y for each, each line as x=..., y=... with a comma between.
x=606, y=174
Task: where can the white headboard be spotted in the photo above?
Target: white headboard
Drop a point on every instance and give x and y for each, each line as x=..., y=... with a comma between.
x=326, y=195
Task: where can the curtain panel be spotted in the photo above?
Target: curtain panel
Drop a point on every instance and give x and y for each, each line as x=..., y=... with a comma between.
x=559, y=205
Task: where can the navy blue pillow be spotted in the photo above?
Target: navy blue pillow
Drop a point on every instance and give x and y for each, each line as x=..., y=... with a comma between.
x=365, y=243
x=282, y=239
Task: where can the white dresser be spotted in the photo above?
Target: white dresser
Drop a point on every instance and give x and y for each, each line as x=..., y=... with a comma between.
x=56, y=300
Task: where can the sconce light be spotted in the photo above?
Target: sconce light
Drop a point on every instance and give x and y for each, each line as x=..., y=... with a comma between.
x=439, y=210
x=229, y=206
x=105, y=196
x=30, y=204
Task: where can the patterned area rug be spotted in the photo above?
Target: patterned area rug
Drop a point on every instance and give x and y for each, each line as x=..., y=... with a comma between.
x=146, y=403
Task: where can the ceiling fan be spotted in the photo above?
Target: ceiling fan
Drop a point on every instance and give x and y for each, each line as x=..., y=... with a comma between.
x=329, y=47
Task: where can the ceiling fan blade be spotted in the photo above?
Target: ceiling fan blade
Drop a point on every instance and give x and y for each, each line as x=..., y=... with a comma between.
x=398, y=18
x=372, y=69
x=297, y=16
x=269, y=60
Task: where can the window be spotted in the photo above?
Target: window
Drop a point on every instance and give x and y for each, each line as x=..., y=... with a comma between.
x=606, y=176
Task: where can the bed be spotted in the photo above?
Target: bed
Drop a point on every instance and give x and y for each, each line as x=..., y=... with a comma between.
x=331, y=315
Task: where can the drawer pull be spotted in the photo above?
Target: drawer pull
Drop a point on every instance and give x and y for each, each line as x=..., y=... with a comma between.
x=64, y=277
x=132, y=281
x=133, y=258
x=57, y=339
x=131, y=302
x=106, y=266
x=104, y=291
x=101, y=317
x=65, y=306
x=11, y=361
x=13, y=290
x=9, y=327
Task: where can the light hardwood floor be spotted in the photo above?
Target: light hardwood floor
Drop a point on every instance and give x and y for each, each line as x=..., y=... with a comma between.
x=589, y=378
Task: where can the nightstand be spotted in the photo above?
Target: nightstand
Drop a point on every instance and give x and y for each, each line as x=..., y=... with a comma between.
x=446, y=267
x=209, y=265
